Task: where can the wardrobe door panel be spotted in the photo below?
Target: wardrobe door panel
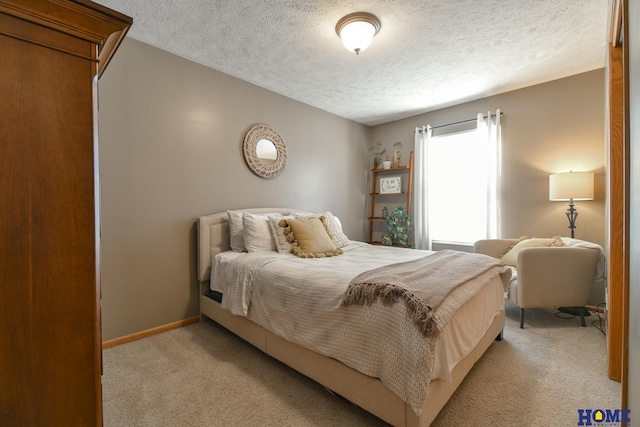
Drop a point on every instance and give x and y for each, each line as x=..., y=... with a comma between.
x=48, y=189
x=50, y=358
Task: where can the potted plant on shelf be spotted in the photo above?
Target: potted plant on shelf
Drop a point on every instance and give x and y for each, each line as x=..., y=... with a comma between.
x=377, y=150
x=398, y=223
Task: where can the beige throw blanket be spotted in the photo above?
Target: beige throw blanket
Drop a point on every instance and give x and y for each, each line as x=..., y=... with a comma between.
x=423, y=284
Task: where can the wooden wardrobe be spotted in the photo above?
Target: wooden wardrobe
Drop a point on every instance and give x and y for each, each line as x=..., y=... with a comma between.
x=51, y=55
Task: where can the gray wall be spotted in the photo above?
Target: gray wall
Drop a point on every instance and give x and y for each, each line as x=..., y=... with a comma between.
x=551, y=127
x=171, y=136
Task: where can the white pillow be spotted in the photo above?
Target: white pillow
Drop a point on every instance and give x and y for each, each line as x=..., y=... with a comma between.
x=277, y=232
x=257, y=234
x=333, y=226
x=236, y=237
x=511, y=257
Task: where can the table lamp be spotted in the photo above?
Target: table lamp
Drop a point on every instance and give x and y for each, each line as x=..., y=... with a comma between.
x=571, y=186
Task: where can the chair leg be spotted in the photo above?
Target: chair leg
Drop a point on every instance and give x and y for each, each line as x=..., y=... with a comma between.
x=522, y=318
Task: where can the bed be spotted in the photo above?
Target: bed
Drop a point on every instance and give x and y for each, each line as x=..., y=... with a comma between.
x=405, y=387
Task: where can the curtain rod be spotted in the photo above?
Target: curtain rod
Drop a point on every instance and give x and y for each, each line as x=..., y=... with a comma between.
x=461, y=122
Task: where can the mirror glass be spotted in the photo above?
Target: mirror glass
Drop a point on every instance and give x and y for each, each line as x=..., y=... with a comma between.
x=266, y=151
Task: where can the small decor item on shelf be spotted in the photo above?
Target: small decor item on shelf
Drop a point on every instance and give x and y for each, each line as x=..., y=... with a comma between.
x=398, y=223
x=386, y=164
x=377, y=150
x=387, y=240
x=385, y=212
x=395, y=162
x=391, y=185
x=396, y=159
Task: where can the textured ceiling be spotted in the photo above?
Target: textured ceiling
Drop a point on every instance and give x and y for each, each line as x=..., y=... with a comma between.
x=428, y=54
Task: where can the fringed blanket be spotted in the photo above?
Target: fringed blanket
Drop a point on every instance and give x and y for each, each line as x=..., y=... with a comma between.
x=423, y=284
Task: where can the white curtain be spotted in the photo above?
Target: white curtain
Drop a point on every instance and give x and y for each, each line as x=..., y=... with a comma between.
x=420, y=206
x=489, y=127
x=489, y=134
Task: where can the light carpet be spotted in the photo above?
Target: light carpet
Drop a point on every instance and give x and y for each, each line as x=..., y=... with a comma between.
x=202, y=375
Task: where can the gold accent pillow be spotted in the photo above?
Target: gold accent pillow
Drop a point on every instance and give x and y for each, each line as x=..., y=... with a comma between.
x=310, y=238
x=511, y=257
x=333, y=226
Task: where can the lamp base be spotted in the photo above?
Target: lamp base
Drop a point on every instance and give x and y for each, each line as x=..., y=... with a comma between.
x=572, y=215
x=576, y=311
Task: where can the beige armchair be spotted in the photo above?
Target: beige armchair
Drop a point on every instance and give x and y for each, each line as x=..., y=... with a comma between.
x=547, y=276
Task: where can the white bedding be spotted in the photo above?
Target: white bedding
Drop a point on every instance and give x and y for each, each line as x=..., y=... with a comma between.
x=300, y=301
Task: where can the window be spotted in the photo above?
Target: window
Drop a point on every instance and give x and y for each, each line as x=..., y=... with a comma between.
x=457, y=183
x=457, y=187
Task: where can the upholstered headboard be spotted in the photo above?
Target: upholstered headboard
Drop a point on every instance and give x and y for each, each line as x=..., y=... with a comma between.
x=213, y=236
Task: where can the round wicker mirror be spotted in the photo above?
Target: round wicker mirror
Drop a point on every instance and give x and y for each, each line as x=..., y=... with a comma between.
x=264, y=151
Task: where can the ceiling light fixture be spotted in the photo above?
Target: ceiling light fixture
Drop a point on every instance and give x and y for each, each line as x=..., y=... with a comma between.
x=357, y=30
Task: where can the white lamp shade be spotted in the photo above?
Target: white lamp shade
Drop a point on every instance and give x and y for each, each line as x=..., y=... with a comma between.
x=356, y=36
x=571, y=185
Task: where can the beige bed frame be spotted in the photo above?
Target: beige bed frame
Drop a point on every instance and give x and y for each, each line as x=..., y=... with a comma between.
x=367, y=392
